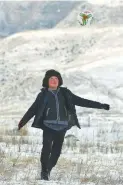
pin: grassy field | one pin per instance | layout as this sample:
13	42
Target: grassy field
83	160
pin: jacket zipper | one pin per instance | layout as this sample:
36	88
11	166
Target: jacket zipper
65	110
57	108
47	111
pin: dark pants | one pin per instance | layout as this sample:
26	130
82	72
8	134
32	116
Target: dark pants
51	150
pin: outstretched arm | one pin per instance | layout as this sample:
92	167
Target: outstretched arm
30	113
88	103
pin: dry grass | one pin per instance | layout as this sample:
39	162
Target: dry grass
7	131
66	164
86	170
15	140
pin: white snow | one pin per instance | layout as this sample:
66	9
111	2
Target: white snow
90	60
106	2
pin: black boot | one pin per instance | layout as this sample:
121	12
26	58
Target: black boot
49	173
49	170
45	175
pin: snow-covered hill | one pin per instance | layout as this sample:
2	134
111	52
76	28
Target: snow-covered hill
82	59
17	16
90	60
105	12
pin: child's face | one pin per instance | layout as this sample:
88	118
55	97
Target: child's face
53	82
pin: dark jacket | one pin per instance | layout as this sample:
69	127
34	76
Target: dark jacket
38	107
55	112
55	106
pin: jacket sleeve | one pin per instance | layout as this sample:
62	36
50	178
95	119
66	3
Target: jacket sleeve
30	112
85	102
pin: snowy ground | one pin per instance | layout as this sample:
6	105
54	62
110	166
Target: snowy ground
90	161
91	63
